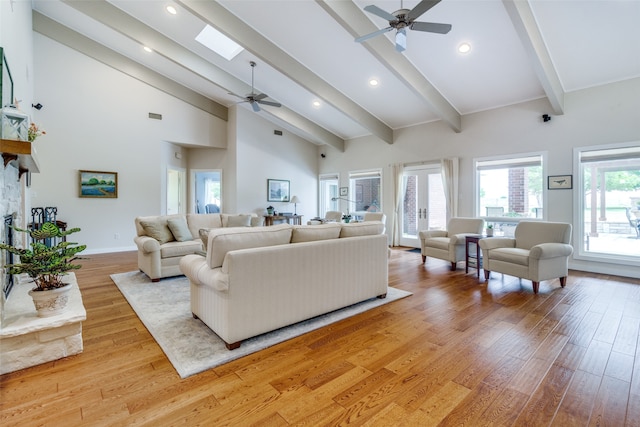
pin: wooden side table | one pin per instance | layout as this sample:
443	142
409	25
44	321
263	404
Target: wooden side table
473	255
291	219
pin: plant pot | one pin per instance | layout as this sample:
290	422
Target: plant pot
52	302
489	232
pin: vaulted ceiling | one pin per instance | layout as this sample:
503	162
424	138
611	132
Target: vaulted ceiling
305	52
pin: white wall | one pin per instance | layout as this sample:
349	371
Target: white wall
96	118
261	155
602	115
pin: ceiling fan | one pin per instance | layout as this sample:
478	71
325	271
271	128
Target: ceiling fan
403	18
256	98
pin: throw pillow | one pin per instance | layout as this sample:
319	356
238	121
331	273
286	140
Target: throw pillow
179	229
158	230
204	236
239	221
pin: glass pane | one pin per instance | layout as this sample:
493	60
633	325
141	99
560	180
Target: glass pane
367	194
409	220
437	212
511	191
611	214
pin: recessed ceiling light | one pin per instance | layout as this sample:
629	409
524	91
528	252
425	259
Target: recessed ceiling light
374	82
464	48
147	49
316	103
219	43
172	10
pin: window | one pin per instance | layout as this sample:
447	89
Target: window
510	187
608	212
365	191
328	192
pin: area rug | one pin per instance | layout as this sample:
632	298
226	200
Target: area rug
164	308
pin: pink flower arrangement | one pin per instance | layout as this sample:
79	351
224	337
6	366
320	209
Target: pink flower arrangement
34	132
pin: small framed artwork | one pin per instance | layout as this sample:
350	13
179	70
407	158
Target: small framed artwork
278	190
344	191
560	182
96	184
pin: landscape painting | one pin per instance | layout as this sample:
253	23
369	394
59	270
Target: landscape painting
98	184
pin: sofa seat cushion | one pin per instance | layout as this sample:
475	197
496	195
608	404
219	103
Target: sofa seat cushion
511	255
178	249
367	228
223	240
438	243
308	233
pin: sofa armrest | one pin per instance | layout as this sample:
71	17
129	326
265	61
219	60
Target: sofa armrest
195	267
147	244
497	242
550	250
426	234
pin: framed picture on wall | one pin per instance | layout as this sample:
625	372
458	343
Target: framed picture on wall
96	184
560	182
344	191
278	190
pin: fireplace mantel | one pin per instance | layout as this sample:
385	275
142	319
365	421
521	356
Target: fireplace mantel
22	152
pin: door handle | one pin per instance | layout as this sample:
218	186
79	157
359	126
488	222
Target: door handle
419	213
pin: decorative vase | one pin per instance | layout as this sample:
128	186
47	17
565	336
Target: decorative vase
270	212
51	302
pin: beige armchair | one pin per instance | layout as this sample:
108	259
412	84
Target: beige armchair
538	251
333	216
449	244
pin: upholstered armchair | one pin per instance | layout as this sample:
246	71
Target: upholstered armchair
449	244
538	251
333	216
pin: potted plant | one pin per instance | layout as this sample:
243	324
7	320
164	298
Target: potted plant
46	266
489	230
270	210
346	218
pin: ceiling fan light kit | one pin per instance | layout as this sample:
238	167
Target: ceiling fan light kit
403	18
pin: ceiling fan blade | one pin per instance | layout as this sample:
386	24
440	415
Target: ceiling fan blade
255	106
273	104
421	8
260	96
431	27
401	40
235	94
371	35
379	12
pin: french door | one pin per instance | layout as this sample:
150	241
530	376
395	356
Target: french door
423	204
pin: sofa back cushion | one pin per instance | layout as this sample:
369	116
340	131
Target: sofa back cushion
198	221
156	226
367	228
223	240
310	233
531	233
238	221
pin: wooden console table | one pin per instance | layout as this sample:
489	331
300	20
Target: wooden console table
291	219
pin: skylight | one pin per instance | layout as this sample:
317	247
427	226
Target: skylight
219	43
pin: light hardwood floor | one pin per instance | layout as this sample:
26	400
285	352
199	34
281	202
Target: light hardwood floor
456	352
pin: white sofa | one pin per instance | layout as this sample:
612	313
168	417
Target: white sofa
163	239
253	281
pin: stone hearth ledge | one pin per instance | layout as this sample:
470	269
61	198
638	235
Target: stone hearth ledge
28	340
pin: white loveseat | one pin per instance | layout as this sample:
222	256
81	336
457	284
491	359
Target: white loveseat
253	281
163	239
